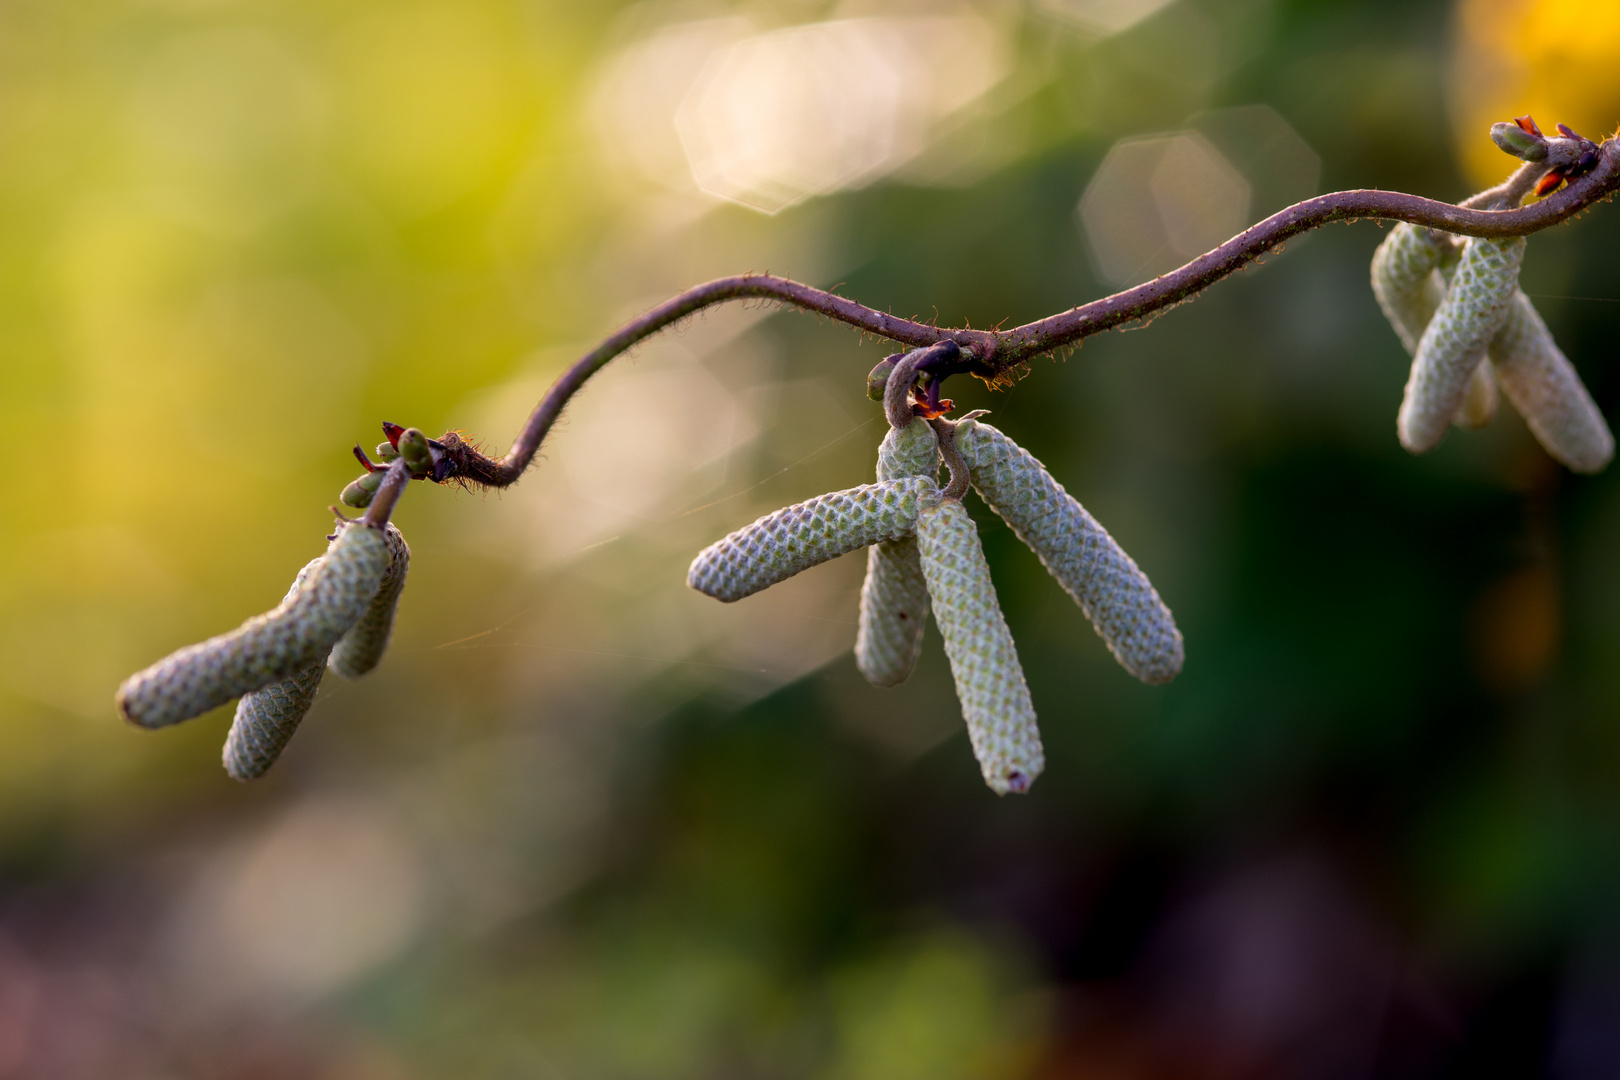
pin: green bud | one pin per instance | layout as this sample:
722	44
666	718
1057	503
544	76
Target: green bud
878	378
386	451
356	495
1514	140
413	447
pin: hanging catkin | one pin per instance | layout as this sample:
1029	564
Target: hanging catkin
362	647
1543	385
1455	341
269	647
984	662
781	544
266	718
1405	281
1116	596
894	596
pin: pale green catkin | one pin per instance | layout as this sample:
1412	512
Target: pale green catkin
779	545
266	718
984	662
1408	280
1543	385
1405	281
361	649
267	648
1455	341
1115	595
894	597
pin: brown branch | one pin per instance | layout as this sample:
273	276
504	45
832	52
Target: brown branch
382	503
992	353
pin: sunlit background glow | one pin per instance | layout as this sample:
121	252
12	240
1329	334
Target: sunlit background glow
584	822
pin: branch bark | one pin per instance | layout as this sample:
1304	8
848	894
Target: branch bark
990	353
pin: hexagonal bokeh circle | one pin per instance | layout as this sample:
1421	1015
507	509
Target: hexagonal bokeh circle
1157	201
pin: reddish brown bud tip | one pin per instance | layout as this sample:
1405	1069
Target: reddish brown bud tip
1527	124
1549	183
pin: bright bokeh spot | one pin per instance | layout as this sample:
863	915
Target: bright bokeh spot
1553	59
1279	165
637	91
325	894
1158	201
1103	17
780	117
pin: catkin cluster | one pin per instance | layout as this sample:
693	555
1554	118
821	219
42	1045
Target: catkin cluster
924	557
339	611
1456	305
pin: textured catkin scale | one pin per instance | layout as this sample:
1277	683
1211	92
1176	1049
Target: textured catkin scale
1409	280
267	648
1542	384
910	451
1115	595
1404	280
266	720
984	662
894	597
1454	343
361	649
779	545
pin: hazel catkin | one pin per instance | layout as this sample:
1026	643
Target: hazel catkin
1405	282
266	720
268	647
361	648
1456	339
894	596
795	538
1543	385
984	662
1110	588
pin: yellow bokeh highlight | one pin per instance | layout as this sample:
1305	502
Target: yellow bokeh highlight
1553	59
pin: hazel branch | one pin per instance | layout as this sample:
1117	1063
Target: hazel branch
382	503
990	354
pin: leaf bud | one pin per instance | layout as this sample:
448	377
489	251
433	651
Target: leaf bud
413	447
878	378
1513	139
356	495
386	451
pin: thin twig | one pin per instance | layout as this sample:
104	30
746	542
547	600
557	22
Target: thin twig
992	353
382	503
960	477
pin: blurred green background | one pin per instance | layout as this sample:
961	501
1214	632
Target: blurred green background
584	822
